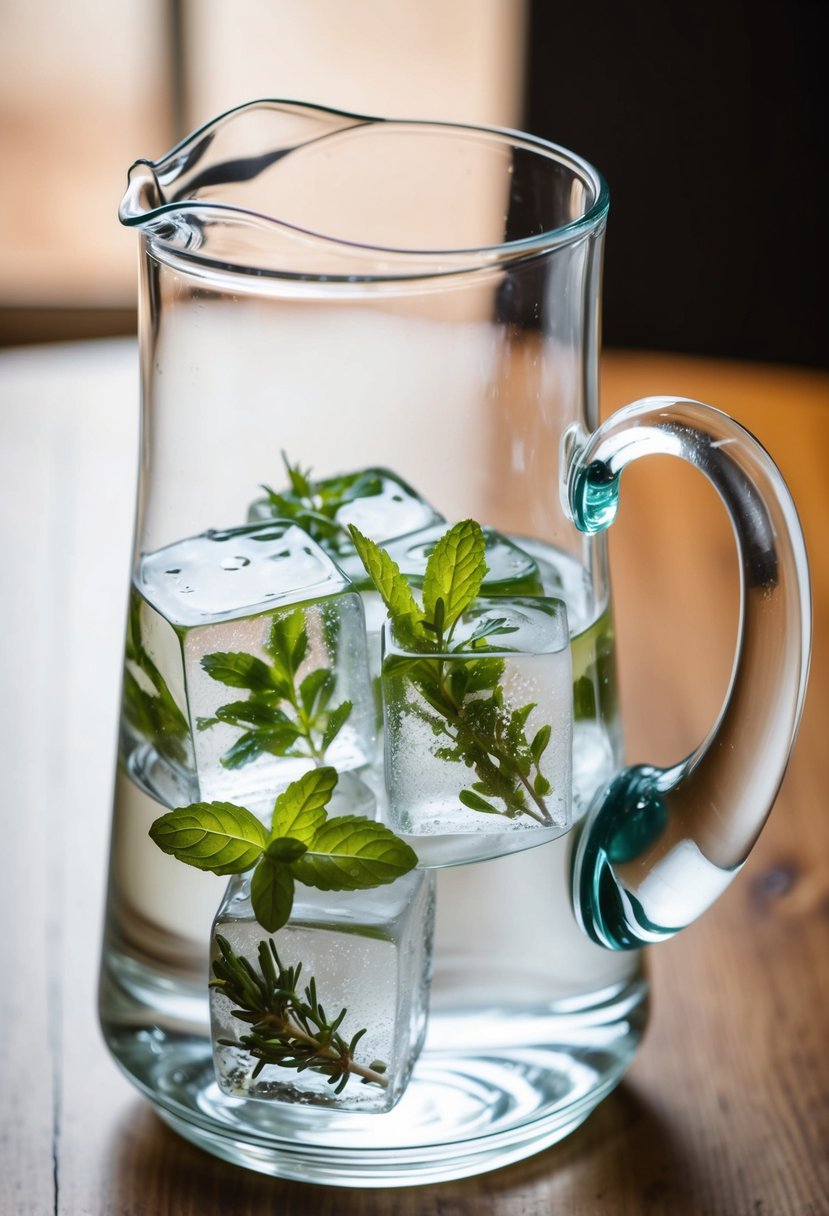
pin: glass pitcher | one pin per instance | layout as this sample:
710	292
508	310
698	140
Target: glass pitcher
395	325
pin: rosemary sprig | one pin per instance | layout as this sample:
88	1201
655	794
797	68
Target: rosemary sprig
283	715
464	697
288	1029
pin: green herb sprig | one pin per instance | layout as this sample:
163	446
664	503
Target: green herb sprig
283	716
314	504
286	1028
464	699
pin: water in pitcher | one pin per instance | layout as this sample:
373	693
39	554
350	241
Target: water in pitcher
513	975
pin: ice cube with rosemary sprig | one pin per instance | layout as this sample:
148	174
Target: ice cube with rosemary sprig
320	953
477	699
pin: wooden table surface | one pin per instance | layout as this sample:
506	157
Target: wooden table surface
724	1111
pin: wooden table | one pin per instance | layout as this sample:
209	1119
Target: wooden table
725	1109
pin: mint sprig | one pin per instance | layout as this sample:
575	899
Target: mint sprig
463	697
346	853
283	715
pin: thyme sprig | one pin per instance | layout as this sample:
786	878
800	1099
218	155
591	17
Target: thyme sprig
464	697
286	1028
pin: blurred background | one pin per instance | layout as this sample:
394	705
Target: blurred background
705	119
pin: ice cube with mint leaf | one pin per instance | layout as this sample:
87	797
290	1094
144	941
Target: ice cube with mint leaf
259	640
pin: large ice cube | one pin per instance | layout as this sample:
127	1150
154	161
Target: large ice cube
369	953
376	501
478	738
244	648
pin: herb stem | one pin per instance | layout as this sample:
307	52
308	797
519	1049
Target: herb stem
304	724
284	1026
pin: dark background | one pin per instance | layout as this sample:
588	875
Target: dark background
709	123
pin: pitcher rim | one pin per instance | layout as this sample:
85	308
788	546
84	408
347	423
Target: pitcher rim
459	258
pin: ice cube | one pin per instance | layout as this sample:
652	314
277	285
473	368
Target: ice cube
376	501
369	953
478	738
510	570
245	648
221	575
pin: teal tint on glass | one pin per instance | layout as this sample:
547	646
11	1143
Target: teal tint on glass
595	498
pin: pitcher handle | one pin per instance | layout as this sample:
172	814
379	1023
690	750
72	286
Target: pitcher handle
660	845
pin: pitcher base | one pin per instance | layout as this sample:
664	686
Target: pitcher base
467	1110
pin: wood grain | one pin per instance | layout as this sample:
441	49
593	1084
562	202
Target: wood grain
724	1112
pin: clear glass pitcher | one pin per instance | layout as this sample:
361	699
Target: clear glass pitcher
395	325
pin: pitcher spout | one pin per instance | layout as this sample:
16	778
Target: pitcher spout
144	197
222	169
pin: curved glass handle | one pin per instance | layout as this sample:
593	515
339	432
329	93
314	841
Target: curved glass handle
660	845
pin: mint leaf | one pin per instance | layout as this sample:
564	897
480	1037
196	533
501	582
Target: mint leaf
299	812
385	574
285	848
288	717
336	720
272	893
247	747
282	739
476	803
539	743
351	853
288	640
238	671
315	690
454	571
215	836
248	713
